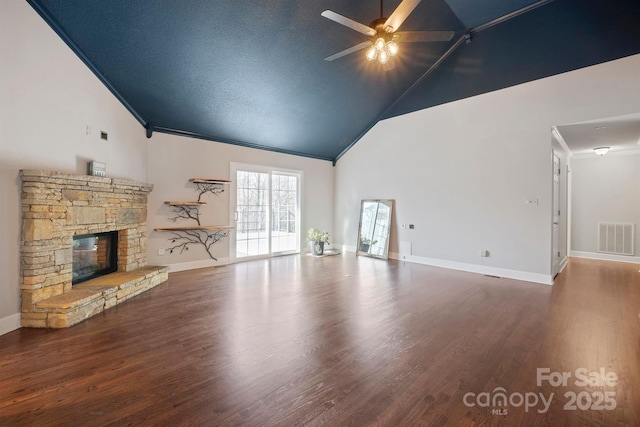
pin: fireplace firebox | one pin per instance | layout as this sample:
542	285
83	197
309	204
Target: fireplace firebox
94	255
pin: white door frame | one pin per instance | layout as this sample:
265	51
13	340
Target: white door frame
234	168
555	216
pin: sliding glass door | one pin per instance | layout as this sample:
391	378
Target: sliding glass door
285	233
252	214
265	205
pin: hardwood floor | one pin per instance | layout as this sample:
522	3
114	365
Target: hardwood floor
334	341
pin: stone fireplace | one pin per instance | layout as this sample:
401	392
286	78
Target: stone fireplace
55	208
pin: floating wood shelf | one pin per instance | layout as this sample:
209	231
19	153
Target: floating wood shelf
196	228
209	181
185	203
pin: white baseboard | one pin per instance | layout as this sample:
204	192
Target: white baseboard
605	257
193	265
9	323
526	276
346	248
544	279
563	264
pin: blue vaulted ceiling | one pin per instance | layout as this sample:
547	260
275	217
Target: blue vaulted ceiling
252	73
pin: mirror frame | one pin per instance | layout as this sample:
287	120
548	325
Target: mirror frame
385	255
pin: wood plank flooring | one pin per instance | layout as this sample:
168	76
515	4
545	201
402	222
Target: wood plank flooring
334	341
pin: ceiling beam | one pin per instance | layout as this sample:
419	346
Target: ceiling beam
178	132
509	16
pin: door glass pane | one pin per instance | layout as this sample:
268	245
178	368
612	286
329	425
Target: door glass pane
284	208
253	207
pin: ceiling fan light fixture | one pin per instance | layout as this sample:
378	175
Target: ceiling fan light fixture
601	151
384	41
393	48
372	53
383	56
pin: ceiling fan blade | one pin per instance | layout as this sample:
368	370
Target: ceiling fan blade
348	51
400	14
347	22
423	36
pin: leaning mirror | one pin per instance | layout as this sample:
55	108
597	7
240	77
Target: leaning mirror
374	228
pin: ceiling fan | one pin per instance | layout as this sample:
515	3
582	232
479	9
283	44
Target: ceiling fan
383	32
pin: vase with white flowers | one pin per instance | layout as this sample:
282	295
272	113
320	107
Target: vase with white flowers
317	239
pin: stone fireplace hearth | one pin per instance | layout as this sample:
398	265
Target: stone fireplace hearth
57	206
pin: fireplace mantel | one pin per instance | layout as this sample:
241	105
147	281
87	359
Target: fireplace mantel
55	207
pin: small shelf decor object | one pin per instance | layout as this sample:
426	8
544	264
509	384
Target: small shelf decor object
317	239
95	168
205	235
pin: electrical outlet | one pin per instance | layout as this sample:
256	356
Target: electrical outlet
485	253
161	252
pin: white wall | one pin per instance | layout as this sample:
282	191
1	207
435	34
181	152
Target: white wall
462	171
47	98
173	160
604	189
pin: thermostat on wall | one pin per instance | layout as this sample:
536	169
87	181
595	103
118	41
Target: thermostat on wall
97	168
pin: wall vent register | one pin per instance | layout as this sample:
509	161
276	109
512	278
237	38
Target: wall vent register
615	238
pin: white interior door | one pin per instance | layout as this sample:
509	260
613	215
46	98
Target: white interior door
556	216
265	208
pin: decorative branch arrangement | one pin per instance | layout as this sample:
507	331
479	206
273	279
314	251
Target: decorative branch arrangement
184	238
208	187
207	236
186	210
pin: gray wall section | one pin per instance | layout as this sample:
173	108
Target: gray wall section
603	189
462	171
